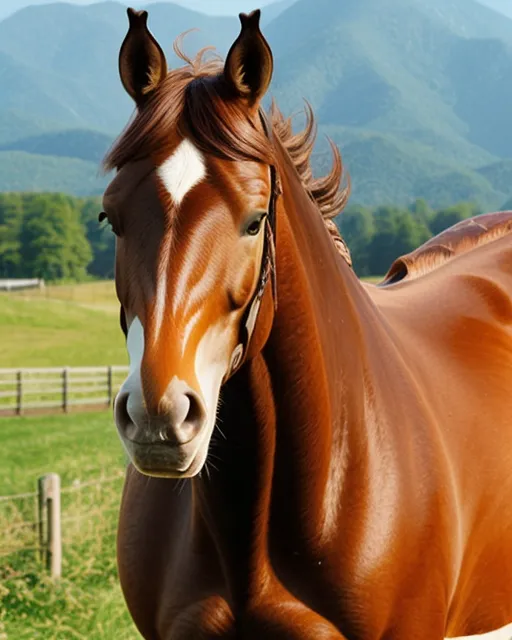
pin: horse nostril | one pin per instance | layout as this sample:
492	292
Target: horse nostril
196	413
184	417
121	415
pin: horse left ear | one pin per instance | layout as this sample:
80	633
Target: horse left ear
249	63
142	63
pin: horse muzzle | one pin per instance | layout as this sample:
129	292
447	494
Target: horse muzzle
171	443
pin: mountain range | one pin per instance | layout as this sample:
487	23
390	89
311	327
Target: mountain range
417	93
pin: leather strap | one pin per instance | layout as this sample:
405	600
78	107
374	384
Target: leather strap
268	271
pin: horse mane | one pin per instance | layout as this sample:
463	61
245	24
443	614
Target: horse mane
196	101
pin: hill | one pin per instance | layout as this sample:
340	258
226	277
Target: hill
413	91
21	171
403	86
76	143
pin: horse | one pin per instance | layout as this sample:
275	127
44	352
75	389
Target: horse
311	456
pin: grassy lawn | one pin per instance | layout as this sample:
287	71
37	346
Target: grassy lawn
87	603
62	326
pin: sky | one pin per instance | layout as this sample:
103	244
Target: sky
217	7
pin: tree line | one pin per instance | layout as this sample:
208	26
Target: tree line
57	237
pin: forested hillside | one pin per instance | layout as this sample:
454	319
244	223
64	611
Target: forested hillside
417	93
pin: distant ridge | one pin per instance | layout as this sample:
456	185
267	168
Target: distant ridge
417	93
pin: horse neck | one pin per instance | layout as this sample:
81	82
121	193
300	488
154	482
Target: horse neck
284	415
318	367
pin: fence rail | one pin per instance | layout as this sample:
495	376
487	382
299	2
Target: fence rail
13	284
63	389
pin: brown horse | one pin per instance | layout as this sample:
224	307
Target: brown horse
347	447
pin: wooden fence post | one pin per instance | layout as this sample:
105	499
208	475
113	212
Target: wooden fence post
19	392
50	515
65	389
41	517
109	386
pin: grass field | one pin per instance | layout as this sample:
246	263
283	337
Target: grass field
87	604
61	326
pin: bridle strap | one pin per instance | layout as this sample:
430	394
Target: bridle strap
268	271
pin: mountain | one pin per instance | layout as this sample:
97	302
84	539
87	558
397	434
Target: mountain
417	93
20	171
83	144
228	7
209	7
417	84
70	53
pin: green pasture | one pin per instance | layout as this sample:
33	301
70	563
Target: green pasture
61	326
87	603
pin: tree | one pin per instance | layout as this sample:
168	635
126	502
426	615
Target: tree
421	211
446	218
100	237
396	233
11	220
53	242
357	228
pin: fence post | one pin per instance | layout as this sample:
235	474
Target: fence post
109	386
65	389
41	517
50	514
19	392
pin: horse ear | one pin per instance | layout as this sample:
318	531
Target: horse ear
249	63
142	64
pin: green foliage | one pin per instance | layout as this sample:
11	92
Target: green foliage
377	236
58	237
100	237
53	242
53	236
11	218
396	232
448	217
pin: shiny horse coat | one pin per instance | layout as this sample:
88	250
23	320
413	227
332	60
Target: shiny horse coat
355	477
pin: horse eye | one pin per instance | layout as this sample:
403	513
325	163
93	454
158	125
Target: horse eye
255	226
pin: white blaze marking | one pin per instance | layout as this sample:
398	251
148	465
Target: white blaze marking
504	633
133	383
182	171
161	287
211	364
135	344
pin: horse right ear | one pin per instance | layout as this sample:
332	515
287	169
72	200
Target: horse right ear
142	63
249	63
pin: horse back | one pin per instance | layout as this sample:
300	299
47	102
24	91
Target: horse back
461	238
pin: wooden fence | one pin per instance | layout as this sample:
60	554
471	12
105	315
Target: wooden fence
18	284
62	389
44	535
